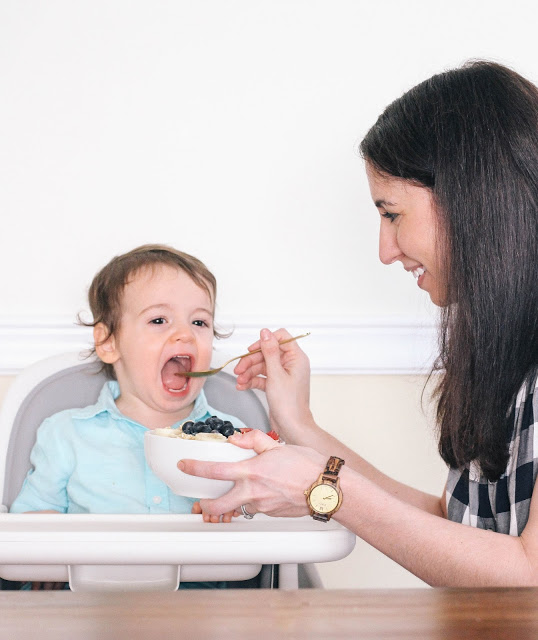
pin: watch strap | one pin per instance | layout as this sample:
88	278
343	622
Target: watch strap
322	517
332	469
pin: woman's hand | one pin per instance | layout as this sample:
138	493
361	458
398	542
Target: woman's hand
283	372
272	482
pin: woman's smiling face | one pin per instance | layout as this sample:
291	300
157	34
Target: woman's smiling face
408	230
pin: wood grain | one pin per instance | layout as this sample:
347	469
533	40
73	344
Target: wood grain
418	614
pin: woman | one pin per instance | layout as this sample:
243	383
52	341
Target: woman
453	171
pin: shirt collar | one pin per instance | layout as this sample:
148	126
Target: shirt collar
111	391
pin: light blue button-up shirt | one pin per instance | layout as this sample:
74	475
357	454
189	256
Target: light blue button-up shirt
92	460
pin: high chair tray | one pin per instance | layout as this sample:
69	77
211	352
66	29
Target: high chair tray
48	546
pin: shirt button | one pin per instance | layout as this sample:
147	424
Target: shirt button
157	499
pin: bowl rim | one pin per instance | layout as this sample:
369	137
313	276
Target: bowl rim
211	443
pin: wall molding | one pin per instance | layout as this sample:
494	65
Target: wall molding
337	346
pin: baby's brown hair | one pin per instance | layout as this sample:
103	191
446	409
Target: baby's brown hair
106	289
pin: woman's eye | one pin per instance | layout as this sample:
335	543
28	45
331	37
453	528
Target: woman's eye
390	216
157	321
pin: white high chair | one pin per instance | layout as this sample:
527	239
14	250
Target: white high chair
142	552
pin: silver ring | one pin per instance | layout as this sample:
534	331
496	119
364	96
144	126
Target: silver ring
245	513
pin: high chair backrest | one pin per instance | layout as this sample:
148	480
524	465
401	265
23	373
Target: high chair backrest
66	382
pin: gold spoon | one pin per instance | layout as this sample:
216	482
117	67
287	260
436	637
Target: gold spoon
211	372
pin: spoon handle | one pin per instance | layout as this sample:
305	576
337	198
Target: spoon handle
303	335
211	372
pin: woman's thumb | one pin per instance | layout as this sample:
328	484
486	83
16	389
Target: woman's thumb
271	352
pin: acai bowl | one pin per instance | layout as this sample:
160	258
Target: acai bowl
202	440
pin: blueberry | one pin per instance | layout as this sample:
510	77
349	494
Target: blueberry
197	426
187	426
227	430
205	429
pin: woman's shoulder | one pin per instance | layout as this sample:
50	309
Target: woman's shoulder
525	407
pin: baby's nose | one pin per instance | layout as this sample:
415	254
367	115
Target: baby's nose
183	333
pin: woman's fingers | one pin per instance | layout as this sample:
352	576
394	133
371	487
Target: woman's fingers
226	517
255	439
271	352
252	370
255	383
252	379
279	366
230	501
255	369
235	471
272	482
214	470
248	362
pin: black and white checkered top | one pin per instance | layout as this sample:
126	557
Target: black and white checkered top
501	506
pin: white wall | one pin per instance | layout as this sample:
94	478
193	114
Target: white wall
227	128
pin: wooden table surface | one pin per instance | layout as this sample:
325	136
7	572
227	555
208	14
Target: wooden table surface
417	614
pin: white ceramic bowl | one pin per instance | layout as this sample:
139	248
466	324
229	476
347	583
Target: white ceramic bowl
163	454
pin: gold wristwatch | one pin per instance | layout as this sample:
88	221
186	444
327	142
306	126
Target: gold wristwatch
324	497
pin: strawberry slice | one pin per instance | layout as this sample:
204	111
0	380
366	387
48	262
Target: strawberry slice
272	434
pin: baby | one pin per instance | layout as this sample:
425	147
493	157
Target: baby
153	319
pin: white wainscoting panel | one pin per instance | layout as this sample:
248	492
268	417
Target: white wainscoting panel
356	345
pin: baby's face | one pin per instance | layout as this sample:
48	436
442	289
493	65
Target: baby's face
166	327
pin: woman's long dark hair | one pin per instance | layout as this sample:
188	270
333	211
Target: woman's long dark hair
471	136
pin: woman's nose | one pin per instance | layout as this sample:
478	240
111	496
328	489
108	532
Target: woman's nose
389	250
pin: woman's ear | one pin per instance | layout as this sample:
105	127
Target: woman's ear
105	344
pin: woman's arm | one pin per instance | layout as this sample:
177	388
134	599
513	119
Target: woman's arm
407	525
318	439
283	372
440	552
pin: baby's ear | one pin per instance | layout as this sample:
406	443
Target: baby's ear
105	344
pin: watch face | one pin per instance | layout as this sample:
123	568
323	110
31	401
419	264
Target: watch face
324	498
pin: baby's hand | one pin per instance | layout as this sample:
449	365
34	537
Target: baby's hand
226	517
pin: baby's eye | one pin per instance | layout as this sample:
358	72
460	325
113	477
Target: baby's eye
157	321
390	216
200	323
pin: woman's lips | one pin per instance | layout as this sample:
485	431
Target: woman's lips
419	272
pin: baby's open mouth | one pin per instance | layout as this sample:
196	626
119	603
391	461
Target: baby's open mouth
171	373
